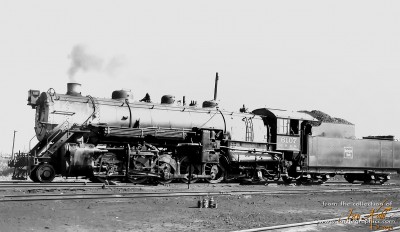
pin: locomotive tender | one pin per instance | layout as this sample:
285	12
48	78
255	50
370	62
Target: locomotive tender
138	141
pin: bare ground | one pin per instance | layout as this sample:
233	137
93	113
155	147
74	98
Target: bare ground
234	212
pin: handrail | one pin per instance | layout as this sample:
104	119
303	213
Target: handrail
30	142
94	109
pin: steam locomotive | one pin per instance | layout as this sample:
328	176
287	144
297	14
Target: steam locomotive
141	141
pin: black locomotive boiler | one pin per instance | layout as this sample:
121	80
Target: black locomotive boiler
138	141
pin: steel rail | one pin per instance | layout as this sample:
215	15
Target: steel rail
68	184
49	185
45	197
272	184
52	183
110	196
55	186
220	184
124	194
100	185
68	187
231	192
324	222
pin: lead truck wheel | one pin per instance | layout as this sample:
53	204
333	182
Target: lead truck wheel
32	175
45	173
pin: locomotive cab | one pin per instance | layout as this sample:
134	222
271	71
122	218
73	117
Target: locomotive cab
287	130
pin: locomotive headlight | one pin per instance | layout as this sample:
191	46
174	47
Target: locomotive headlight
33	96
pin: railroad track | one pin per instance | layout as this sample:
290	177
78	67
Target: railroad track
58	185
129	195
304	226
27	183
23	184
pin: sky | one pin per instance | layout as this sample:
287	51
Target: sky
339	57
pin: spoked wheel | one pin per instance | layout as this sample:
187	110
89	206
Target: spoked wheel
215	171
186	167
139	167
45	173
166	172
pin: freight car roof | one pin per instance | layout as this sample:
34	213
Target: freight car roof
277	113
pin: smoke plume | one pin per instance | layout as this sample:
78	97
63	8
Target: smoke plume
84	60
81	60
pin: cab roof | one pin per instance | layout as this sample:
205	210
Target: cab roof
277	113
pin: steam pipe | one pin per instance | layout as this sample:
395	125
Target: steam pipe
130	112
216	87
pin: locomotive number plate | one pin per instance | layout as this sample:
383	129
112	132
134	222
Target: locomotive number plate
291	143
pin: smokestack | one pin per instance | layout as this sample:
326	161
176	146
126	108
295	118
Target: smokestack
216	87
74	89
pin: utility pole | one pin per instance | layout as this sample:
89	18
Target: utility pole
12	152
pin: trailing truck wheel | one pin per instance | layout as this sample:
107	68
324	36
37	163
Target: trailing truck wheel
45	173
216	171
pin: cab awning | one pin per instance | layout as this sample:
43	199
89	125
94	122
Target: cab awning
277	113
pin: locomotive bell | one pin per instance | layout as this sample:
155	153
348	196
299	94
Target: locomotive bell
122	94
74	89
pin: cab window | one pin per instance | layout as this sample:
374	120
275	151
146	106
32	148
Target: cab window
283	126
294	127
287	126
